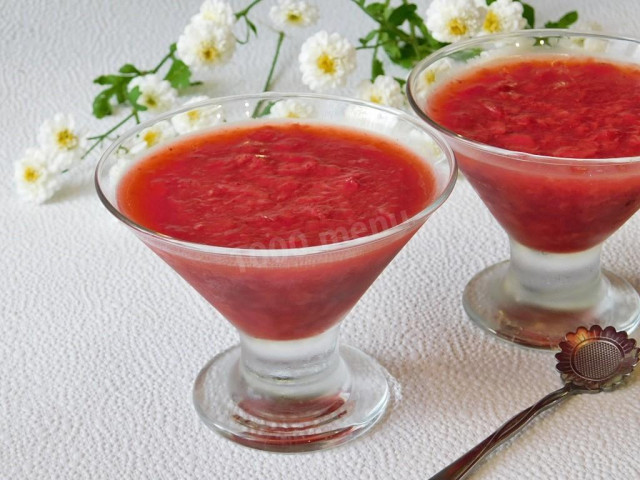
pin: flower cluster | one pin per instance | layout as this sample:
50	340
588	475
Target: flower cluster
291	109
326	60
291	13
453	20
208	40
384	90
155	95
60	147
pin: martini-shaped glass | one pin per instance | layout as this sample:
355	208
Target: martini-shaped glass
556	210
288	386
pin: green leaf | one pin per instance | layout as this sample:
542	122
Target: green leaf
466	54
529	14
387	12
368	37
129	68
179	75
172	48
101	105
377	68
401	81
427	40
121	92
416	20
133	97
393	51
108	79
489	2
567	20
408	56
251	26
402	13
376	10
384	36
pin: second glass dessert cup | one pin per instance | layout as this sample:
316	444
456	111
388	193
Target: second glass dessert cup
289	386
556	211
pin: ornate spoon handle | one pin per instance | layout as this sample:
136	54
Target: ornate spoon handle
460	467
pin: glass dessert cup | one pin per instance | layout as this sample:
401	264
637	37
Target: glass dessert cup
288	386
557	212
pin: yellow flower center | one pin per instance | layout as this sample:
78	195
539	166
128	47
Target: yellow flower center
209	53
492	23
292	115
326	64
66	139
429	77
457	27
151	138
375	99
193	115
294	17
209	15
31	175
150	101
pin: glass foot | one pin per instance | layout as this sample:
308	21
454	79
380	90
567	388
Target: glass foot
493	304
291	423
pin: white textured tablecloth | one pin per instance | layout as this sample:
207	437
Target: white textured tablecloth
100	341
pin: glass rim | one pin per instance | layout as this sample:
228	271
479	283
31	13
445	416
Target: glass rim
281	252
504	152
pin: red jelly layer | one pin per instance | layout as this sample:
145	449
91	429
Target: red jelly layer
276	186
281	185
562	106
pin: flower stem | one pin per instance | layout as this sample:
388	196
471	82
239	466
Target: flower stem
368	47
246	10
162	62
374	58
100	138
386	26
267	83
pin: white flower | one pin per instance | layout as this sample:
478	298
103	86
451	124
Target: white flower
503	16
197	118
34	180
156	94
205	44
326	61
595	45
63	142
292	13
150	137
291	109
143	140
368	118
424	144
383	91
586	26
453	20
217	12
430	76
124	160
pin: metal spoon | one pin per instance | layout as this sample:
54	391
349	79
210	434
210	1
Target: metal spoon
591	361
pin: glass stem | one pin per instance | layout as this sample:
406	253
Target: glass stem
308	367
558	281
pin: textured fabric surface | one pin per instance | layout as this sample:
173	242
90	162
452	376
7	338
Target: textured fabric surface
100	342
